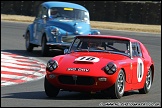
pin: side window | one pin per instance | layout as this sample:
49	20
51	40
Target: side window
136	50
139	50
44	11
39	12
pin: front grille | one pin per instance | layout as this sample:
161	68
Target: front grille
79	80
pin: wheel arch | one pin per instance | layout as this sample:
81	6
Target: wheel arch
124	72
30	30
27	31
152	69
46	34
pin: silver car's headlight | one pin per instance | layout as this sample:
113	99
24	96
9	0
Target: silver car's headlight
110	68
51	65
96	33
55	31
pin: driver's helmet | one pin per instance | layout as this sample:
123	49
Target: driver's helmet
54	11
93	44
134	47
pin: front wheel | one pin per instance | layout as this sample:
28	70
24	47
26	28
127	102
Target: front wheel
29	46
45	48
50	90
117	90
148	83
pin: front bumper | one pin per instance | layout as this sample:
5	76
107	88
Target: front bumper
60	41
80	83
58	44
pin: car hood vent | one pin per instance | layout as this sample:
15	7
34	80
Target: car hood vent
83	62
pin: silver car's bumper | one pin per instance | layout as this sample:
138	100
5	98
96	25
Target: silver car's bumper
58	44
65	41
68	39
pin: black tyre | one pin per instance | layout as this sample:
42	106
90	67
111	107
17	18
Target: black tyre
45	48
29	46
50	90
148	83
117	90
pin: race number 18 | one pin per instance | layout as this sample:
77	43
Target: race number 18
87	58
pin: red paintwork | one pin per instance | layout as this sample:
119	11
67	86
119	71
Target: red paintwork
122	62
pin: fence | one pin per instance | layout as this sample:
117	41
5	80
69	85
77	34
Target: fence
110	11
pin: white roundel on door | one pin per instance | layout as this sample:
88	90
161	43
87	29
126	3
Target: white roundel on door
140	69
87	59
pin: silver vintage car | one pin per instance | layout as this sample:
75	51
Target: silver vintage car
55	26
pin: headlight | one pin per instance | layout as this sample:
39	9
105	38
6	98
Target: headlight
110	68
96	33
51	65
55	31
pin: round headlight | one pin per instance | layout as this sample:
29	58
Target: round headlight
51	65
110	68
55	31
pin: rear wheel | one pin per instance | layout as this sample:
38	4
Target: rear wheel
50	90
45	48
29	46
148	83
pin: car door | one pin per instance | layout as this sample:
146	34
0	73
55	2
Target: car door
35	26
39	24
137	63
38	15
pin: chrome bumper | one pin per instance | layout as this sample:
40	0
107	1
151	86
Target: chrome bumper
58	44
64	41
68	39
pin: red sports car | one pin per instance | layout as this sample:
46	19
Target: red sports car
101	63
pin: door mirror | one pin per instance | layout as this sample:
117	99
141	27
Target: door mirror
44	16
66	51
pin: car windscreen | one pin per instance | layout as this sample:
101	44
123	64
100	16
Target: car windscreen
68	13
101	45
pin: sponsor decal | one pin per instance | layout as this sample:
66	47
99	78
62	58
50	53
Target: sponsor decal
68	9
122	62
78	69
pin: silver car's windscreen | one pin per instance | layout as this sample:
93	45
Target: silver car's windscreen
69	14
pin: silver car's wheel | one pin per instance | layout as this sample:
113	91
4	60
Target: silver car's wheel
29	46
148	83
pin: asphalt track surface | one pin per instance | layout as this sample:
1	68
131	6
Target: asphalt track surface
31	93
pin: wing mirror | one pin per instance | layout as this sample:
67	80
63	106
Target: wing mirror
66	51
44	16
